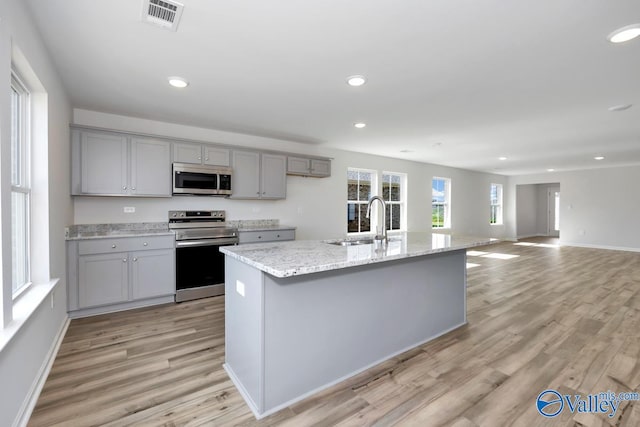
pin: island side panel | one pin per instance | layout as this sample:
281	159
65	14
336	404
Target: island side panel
322	328
244	330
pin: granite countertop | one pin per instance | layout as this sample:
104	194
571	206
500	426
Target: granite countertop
105	231
293	258
264	228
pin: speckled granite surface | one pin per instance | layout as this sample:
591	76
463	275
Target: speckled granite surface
102	231
285	259
258	225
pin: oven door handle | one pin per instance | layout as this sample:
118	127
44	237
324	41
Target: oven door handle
206	242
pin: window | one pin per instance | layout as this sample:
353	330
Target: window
393	194
440	202
20	185
360	187
496	204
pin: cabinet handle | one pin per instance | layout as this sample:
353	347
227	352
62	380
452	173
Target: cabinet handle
206	159
133	188
113	246
124	260
264	192
259	237
135	259
124	187
145	244
199	158
258	193
277	235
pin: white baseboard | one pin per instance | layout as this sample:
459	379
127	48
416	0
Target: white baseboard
608	248
34	392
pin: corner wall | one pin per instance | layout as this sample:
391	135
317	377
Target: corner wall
598	207
25	357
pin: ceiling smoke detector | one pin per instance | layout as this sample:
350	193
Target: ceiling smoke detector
163	13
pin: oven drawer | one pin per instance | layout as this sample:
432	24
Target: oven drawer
266	236
125	244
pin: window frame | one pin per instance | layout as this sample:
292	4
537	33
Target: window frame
373	219
21	179
402	202
446	204
496	218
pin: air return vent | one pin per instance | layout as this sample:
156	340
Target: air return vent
163	13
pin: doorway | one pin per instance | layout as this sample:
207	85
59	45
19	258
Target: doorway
538	210
553	211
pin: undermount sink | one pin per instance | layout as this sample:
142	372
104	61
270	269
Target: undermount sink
352	242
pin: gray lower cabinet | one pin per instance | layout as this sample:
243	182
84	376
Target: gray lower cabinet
120	273
258	175
308	167
114	164
258	236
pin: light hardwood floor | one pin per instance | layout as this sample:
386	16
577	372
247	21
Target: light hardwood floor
539	317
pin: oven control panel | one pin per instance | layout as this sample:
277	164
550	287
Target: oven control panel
197	215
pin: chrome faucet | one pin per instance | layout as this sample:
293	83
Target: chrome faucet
382	237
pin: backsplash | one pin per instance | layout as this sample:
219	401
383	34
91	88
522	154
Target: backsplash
247	223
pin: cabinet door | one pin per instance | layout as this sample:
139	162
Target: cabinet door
150	167
102	279
187	153
152	273
245	182
103	163
297	165
320	167
274	176
216	156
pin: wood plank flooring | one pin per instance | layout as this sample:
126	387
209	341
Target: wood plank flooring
539	317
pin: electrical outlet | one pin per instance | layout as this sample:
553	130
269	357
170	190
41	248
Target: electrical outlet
129	209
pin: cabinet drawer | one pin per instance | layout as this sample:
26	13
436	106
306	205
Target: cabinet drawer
124	244
266	236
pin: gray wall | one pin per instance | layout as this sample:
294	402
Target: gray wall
317	206
23	358
598	207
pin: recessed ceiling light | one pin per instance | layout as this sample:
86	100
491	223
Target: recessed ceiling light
360	125
356	80
502	158
598	158
550	170
620	107
624	34
406	151
178	82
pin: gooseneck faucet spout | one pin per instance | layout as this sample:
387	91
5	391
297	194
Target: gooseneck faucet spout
382	236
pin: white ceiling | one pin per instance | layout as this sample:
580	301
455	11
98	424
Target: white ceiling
457	82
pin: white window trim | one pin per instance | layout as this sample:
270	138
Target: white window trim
446	204
373	219
403	199
500	205
25	171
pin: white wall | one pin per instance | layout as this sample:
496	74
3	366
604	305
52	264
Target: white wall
23	357
526	211
598	207
317	206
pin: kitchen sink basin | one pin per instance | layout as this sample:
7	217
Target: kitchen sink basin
352	242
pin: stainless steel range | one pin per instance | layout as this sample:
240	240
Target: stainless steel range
199	263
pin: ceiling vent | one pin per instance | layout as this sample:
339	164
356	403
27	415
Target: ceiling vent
163	13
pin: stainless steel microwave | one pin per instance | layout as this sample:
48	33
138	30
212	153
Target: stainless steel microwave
201	179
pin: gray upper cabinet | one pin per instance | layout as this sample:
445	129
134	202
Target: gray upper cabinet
150	167
113	164
308	166
103	163
258	175
200	154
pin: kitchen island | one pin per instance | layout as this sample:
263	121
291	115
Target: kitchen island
301	316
